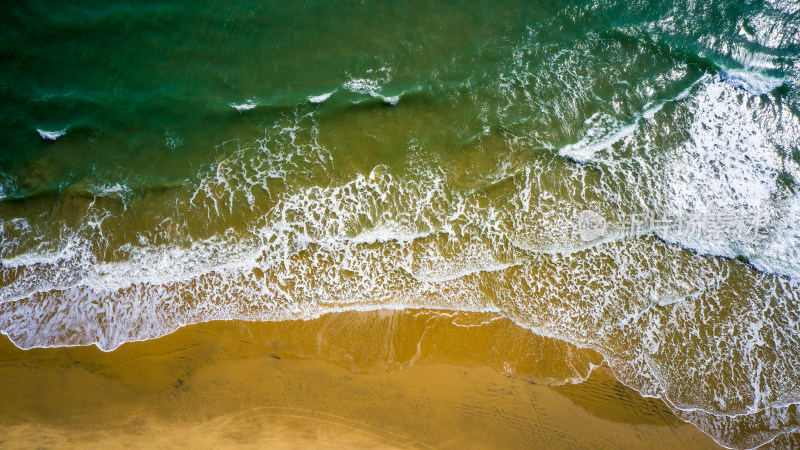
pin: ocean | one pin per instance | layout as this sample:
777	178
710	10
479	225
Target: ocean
618	175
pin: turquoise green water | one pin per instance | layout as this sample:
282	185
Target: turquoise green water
144	90
172	163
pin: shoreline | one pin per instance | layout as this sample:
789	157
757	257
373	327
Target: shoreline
389	379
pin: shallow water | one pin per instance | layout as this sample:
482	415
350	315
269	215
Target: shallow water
168	164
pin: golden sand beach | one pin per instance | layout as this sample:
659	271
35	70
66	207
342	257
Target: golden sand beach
391	379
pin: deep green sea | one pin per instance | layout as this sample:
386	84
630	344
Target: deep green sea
621	175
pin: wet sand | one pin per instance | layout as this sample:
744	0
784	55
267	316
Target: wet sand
384	379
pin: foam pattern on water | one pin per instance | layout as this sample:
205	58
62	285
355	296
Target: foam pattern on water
277	229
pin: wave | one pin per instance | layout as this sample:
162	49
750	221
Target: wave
275	231
246	106
391	100
51	135
730	166
526	293
320	98
604	131
754	82
367	85
725	172
372	84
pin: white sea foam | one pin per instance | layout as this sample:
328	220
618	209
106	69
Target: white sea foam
320	98
51	135
246	106
752	81
729	165
387	233
603	131
110	189
391	100
432	275
389	240
727	172
363	85
372	84
38	258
